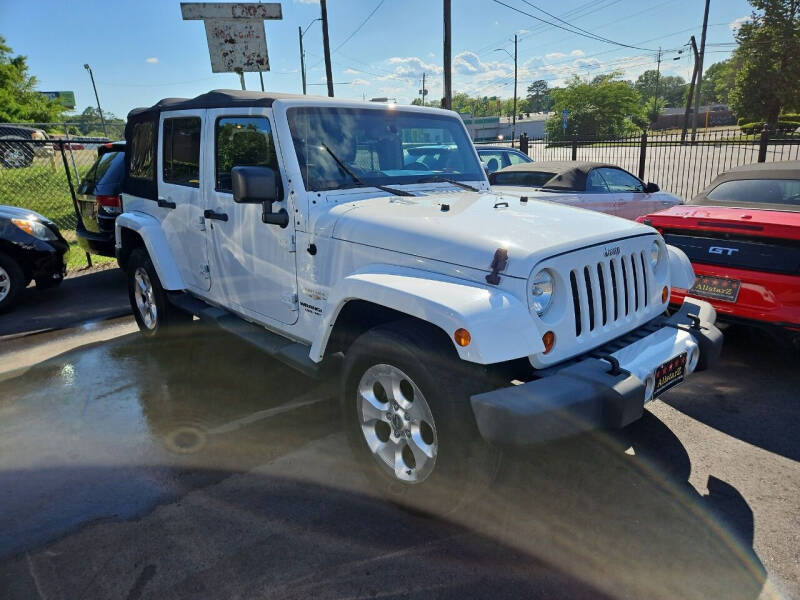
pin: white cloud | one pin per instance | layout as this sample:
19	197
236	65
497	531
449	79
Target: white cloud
410	69
577	53
152	60
555	55
360	82
350	71
736	23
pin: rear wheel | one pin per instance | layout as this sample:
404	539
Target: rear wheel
15	155
406	410
151	309
12	282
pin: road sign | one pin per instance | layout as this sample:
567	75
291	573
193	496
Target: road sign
564	119
235	33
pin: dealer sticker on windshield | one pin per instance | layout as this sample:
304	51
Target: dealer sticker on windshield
670	374
718	288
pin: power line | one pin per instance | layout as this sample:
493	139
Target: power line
573	31
357	29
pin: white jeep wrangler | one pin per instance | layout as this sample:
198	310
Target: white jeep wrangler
318	229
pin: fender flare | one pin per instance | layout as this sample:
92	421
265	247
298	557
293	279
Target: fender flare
499	324
681	272
149	229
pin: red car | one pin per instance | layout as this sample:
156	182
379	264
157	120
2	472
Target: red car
742	234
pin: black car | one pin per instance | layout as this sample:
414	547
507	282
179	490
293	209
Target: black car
31	249
99	200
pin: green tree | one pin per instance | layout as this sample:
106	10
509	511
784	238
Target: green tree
671	89
538	98
767	78
718	79
605	107
19	102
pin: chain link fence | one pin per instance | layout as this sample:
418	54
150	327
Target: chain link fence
39	162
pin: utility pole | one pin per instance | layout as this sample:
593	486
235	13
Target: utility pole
261	78
422	91
302	59
327	46
655	92
96	97
447	101
699	87
690	97
514	121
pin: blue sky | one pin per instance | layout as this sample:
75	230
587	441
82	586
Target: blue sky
142	50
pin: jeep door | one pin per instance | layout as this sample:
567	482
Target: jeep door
181	198
252	262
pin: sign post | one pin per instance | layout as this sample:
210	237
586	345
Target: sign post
564	120
235	33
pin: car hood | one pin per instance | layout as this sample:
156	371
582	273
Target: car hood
467	228
15	212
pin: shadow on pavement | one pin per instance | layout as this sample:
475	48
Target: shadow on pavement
721	398
196	467
91	297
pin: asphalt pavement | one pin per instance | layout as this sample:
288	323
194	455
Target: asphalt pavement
192	466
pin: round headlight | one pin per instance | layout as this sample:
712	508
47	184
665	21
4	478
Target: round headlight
541	291
655	252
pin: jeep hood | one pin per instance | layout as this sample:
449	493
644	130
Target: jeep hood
467	228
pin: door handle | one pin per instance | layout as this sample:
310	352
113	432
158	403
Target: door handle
164	203
210	214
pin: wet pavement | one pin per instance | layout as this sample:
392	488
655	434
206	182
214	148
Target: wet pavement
193	466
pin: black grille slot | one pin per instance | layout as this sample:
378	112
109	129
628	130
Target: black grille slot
625	283
635	283
576	303
589	296
644	279
613	268
602	281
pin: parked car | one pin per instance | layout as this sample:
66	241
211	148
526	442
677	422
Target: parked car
742	234
500	157
593	185
294	223
31	249
14	154
99	200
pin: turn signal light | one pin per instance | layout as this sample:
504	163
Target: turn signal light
462	337
548	339
664	294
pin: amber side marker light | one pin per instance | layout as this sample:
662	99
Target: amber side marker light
462	337
664	294
548	339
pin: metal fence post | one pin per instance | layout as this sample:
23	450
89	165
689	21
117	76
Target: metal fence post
574	147
642	154
72	193
762	146
523	143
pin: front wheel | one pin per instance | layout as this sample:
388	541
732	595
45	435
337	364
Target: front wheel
151	309
12	282
406	410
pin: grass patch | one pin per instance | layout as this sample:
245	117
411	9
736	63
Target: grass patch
76	259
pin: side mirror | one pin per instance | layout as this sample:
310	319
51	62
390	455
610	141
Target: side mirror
259	185
651	188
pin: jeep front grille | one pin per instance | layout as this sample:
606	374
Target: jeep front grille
610	291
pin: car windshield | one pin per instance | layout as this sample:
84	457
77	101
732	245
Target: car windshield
380	146
524	178
784	192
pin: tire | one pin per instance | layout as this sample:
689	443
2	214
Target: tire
15	155
12	282
439	465
151	309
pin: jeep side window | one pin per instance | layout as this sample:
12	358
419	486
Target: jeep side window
181	151
242	141
141	154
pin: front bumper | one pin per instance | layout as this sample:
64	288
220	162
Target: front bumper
593	392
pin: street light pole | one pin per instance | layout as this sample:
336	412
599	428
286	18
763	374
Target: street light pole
514	116
302	52
96	97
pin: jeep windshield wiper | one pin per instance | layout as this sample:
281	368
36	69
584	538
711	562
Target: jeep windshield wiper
358	180
440	179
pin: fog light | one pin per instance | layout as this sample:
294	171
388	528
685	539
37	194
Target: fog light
462	337
664	295
548	339
649	387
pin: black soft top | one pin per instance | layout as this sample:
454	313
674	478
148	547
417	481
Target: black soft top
569	175
786	169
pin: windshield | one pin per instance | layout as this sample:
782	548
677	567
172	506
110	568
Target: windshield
380	146
758	191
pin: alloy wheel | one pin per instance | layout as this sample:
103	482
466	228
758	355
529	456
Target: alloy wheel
5	284
145	298
397	423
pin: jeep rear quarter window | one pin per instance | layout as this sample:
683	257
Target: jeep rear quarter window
242	141
141	153
182	151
